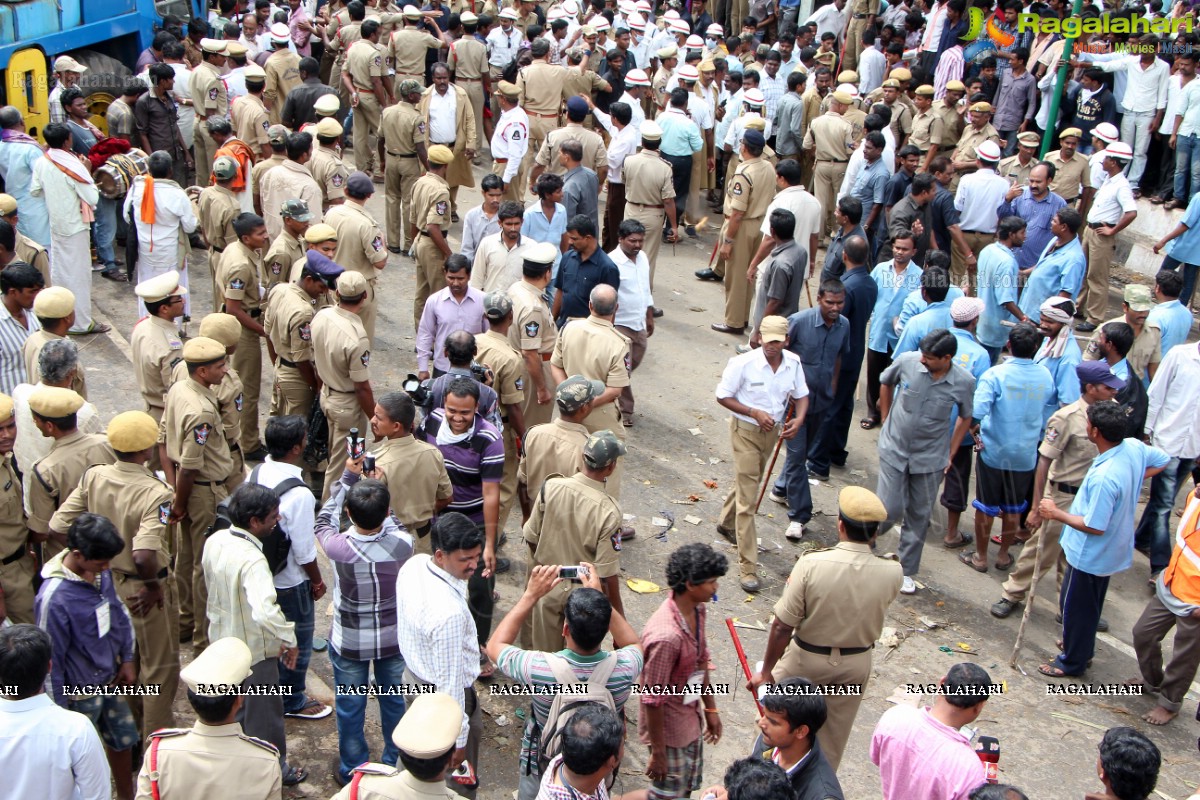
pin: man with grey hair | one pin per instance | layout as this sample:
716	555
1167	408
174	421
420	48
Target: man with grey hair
18	153
581	186
162	242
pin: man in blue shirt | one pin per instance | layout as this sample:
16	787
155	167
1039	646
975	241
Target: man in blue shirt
1037	205
583	266
1171	317
546	220
935	288
1008	416
1060	353
974	359
848	214
1059	269
1182	243
821	337
870	187
894	280
1097	535
915	303
998	286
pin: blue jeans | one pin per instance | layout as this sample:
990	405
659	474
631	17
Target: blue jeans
1187	167
106	231
352	707
793	481
1189	274
297	606
1154	529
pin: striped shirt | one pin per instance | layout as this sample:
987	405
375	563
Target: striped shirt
12	349
476	460
530	668
364	579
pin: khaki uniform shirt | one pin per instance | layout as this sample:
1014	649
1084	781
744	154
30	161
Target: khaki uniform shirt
13	531
230	398
262	168
496	351
812	101
237	277
360	241
1014	171
416	477
752	190
218	208
288	321
595	154
137	502
402	128
208	93
574	519
541	88
592	347
33	254
250	121
212	760
32	349
585	82
338	21
468	59
1069	176
330	172
347	35
832	136
1067	446
192	428
283	75
952	123
285	251
157	348
928	130
647	177
340	349
431	202
550	449
971	138
364	63
288	181
902	120
406	50
1146	350
533	327
56	474
857	119
381	782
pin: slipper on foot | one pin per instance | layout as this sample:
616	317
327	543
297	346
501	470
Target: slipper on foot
968	558
963	541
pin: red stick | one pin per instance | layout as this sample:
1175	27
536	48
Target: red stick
741	654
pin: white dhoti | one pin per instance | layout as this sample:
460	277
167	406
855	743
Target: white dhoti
71	266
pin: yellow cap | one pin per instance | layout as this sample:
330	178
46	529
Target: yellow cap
321	232
327	104
861	505
756	124
53	402
236	49
847	76
214	46
891	83
430	726
901	74
1029	139
773	328
6	408
707	65
223	327
203	350
8	204
351	284
132	432
509	90
329	128
54	302
982	106
440	154
843	98
1066	132
255	74
956	86
224	663
924	90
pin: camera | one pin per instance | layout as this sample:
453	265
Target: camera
575	574
481	373
417	389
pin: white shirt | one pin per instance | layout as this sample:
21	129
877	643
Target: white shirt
828	19
633	296
183	91
979	195
1173	416
871	65
63	195
241	595
496	268
1176	94
158	244
1146	89
442	110
51	753
1096	169
1113	199
806	209
502	46
235	83
733	137
510	140
623	144
297	516
934	21
438	638
748	378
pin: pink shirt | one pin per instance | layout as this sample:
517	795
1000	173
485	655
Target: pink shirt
919	757
300	37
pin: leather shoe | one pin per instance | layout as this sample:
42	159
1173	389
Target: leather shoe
658	312
750	584
707	274
721	327
628	532
727	533
1085	327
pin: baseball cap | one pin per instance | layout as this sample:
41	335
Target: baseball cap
1098	372
297	210
68	64
575	391
277	134
773	328
225	168
602	448
496	305
1138	297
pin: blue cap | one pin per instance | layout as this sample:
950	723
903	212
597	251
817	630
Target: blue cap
359	184
577	105
754	138
320	265
1098	372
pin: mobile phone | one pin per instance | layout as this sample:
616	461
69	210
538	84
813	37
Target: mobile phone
569	573
368	463
355	445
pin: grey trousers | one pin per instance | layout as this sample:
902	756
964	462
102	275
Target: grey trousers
1151	628
261	716
908	496
474	732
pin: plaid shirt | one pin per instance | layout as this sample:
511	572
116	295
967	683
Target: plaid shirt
674	652
364	580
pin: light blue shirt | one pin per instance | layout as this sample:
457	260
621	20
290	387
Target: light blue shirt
936	315
974	359
870	187
997	286
914	304
1057	271
1174	321
680	136
1009	400
1107	501
16	167
538	228
1184	248
893	289
1066	380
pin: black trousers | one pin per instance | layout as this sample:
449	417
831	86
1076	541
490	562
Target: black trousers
1081	601
876	364
681	179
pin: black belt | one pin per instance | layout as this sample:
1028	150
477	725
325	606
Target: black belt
255	313
284	362
982	233
218	249
824	651
1095	225
445	144
17	556
860	16
161	576
832	161
1066	488
202	483
234	447
424	233
402	155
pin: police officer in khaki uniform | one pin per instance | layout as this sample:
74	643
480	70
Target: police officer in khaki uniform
217	208
541	96
650	192
533	331
556	448
408	46
595	349
323	238
402	130
342	353
573	520
431	218
928	128
139	504
214	757
862	16
427	731
283	71
241	265
413	471
360	245
1072	178
902	115
831	612
287	248
155	341
209	98
1016	168
469	65
363	79
287	319
595	155
952	121
248	113
225	329
830	138
54	307
326	164
749	194
964	159
197	462
17	564
277	139
495	350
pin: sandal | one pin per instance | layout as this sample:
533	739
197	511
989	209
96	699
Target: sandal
486	668
1052	671
97	327
963	541
114	275
969	559
1005	566
868	423
295	775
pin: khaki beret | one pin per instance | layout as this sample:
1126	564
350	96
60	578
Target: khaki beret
430	726
6	408
327	104
329	127
901	74
843	98
321	232
236	49
160	287
509	90
956	86
756	123
51	401
1066	133
351	284
255	74
132	432
861	505
54	302
8	204
982	107
847	76
1029	139
440	154
651	131
891	83
223	327
925	91
203	350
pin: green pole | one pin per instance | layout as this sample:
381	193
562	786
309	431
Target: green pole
1060	82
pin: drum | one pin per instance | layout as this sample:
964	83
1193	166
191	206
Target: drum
115	176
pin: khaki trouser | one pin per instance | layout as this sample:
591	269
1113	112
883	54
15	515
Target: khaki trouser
366	130
247	362
508	482
751	446
854	34
474	90
806	170
1023	575
976	240
343	413
1148	632
833	669
738	11
367	310
204	149
155	463
291	394
608	418
737	288
535	412
214	262
653	219
399	177
546	620
16	579
514	189
237	476
157	655
430	277
1098	252
189	567
539	129
827	179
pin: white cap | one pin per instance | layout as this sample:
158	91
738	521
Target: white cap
509	13
280	32
679	26
715	30
1106	132
636	20
671	14
988	151
688	73
637	77
225	662
848	88
1119	150
694	42
601	24
643	6
754	97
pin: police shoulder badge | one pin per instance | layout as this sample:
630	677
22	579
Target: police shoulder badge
276	268
164	513
213	92
266	125
237	283
516	134
441	208
366	357
337	180
532	329
520	383
737	188
201	432
1052	434
377	243
420	127
305	332
616	540
238	401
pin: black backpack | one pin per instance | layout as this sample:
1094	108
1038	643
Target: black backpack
276	545
1136	403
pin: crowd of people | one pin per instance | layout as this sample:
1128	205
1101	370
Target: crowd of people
601	131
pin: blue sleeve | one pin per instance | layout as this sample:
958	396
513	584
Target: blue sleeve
1005	210
985	395
907	342
612	276
1066	383
880	190
1006	280
1156	457
1072	276
1099	512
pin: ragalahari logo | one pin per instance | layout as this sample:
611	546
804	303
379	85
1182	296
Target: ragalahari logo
977	26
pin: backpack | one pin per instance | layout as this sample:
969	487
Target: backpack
1135	402
565	704
276	545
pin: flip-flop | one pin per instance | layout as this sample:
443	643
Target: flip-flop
868	423
963	541
1052	671
295	775
969	559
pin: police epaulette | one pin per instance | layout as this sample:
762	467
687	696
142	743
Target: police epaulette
263	743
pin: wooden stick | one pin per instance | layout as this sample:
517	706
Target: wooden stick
1037	563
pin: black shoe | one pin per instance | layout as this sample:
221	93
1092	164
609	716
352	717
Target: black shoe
727	533
690	230
257	454
454	216
707	274
396	250
658	312
1085	327
750	584
721	327
503	565
1003	607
